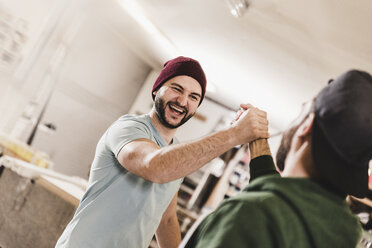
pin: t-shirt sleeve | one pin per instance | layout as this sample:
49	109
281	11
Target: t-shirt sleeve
234	224
123	132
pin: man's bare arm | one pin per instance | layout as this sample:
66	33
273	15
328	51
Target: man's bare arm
168	234
147	160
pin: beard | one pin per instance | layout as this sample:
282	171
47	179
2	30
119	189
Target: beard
160	106
285	146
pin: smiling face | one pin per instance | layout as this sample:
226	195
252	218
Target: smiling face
177	100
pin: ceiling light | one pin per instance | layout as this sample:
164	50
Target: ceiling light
238	7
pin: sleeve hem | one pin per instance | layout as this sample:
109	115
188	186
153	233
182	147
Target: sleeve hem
261	166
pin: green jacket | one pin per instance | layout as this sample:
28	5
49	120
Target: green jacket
279	212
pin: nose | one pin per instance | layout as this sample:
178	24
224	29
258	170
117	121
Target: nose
182	100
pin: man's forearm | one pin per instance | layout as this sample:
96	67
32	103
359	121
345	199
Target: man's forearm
177	161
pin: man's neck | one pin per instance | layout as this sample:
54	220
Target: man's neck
295	171
299	163
165	132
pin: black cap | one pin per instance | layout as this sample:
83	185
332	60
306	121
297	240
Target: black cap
342	132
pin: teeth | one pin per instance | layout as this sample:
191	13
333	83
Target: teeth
177	109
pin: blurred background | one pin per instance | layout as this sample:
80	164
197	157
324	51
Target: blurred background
69	68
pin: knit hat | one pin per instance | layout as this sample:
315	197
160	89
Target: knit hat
342	132
181	66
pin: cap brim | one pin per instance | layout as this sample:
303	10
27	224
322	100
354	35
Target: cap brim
347	178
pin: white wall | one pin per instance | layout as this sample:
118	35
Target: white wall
36	17
99	81
94	73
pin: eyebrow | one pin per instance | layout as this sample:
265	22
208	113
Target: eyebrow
193	93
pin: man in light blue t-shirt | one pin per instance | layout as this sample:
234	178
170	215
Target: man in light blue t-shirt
139	165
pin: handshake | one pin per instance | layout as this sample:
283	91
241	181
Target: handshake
253	125
250	124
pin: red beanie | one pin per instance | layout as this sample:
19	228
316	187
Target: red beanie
181	66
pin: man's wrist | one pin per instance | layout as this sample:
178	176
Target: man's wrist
259	148
232	137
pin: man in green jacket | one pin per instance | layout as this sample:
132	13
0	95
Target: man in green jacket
322	158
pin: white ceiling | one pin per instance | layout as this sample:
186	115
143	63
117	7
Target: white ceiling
278	55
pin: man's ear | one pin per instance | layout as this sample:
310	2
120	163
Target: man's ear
154	92
306	126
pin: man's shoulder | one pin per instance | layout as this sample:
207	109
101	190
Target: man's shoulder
256	202
128	128
253	198
242	213
129	120
247	204
132	117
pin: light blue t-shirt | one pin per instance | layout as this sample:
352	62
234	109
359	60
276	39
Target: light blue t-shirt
119	208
